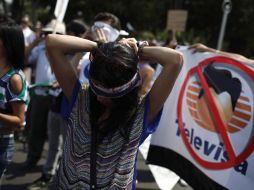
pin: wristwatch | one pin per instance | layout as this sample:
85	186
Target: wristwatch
141	45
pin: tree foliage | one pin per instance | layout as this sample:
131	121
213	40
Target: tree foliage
148	17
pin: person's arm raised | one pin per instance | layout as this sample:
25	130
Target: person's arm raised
171	61
202	48
58	46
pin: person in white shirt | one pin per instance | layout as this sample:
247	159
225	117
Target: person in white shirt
106	28
57	128
41	99
29	35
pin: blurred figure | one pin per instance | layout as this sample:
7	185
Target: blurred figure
42	98
29	35
76	28
56	131
79	29
106	28
146	73
57	128
13	90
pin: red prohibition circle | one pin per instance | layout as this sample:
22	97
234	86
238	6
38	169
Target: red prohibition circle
234	160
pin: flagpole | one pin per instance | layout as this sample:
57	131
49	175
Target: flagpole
60	10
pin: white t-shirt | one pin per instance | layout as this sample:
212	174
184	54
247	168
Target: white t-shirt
29	36
43	73
84	64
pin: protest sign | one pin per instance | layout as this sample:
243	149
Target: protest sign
206	129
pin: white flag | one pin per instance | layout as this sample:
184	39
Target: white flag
60	9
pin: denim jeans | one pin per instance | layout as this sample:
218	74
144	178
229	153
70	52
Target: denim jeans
7	149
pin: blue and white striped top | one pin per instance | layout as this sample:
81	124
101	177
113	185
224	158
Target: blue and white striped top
6	94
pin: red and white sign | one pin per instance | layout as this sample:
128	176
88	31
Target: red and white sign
208	118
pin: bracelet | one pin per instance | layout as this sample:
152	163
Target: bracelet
99	43
217	51
141	45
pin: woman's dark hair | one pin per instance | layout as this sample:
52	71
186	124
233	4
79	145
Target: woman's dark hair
113	65
221	80
13	41
105	16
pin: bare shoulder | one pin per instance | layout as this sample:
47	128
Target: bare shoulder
16	83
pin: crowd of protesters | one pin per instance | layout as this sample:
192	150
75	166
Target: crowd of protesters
35	107
91	95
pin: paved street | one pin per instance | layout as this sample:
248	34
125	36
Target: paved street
18	179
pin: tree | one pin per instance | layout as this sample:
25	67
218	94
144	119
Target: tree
203	25
17	9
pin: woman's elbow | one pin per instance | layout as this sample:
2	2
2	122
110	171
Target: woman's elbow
179	61
21	126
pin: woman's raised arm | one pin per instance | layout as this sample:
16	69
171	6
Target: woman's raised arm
171	61
58	46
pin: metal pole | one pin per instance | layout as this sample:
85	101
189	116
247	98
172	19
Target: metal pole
227	6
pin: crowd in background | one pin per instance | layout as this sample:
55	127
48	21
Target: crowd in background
32	102
44	109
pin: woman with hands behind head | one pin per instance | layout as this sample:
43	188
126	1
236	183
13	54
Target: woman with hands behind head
107	119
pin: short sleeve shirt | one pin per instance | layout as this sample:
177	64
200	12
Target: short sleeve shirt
6	94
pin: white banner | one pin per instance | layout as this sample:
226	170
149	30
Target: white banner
61	6
208	118
164	178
